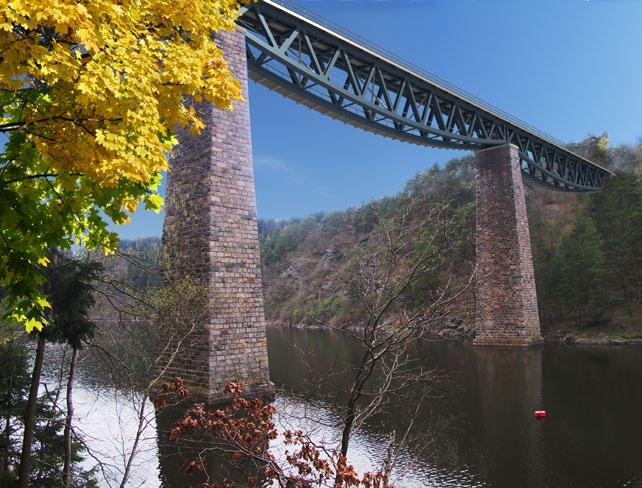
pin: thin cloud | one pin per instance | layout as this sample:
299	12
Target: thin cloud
274	165
278	166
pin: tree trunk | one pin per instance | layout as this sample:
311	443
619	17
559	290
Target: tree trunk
351	409
364	372
7	427
66	470
347	427
30	416
7	440
139	432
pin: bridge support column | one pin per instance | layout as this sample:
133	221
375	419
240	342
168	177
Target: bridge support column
506	300
210	235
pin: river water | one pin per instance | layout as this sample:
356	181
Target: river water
477	427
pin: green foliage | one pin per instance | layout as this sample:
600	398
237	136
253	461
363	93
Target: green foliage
618	213
276	246
90	96
585	273
14	389
47	451
40	210
586	248
624	159
326	308
143	265
70	287
577	283
308	264
595	148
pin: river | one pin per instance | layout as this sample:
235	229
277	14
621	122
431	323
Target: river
479	421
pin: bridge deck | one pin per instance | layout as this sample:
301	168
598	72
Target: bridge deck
316	63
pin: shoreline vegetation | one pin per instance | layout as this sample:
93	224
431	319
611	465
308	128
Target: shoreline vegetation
569	338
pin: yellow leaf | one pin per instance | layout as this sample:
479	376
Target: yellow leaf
154	202
33	324
43	302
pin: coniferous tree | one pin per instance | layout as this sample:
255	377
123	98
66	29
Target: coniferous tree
70	284
578	274
14	386
69	287
618	215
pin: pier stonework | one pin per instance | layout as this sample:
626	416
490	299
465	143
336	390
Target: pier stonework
506	299
210	236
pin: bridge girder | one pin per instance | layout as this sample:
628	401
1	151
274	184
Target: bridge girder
332	71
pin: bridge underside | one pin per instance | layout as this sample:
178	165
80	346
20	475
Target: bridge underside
318	64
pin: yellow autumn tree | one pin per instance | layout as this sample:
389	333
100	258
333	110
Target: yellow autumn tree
90	92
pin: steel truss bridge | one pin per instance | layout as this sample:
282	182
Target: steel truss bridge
306	58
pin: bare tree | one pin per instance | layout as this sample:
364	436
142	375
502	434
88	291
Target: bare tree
142	333
402	251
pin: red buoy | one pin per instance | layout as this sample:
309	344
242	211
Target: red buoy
540	414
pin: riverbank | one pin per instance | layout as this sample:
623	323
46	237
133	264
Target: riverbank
453	330
459	332
624	328
600	339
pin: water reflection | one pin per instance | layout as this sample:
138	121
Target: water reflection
481	419
509	387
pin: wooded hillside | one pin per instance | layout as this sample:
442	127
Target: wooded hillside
587	247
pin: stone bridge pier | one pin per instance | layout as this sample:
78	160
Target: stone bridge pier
506	312
210	236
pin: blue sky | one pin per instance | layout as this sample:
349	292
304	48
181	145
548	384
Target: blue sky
569	67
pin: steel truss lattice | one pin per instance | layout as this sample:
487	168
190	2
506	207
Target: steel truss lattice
329	70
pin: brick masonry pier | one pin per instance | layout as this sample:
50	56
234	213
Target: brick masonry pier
210	236
506	300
